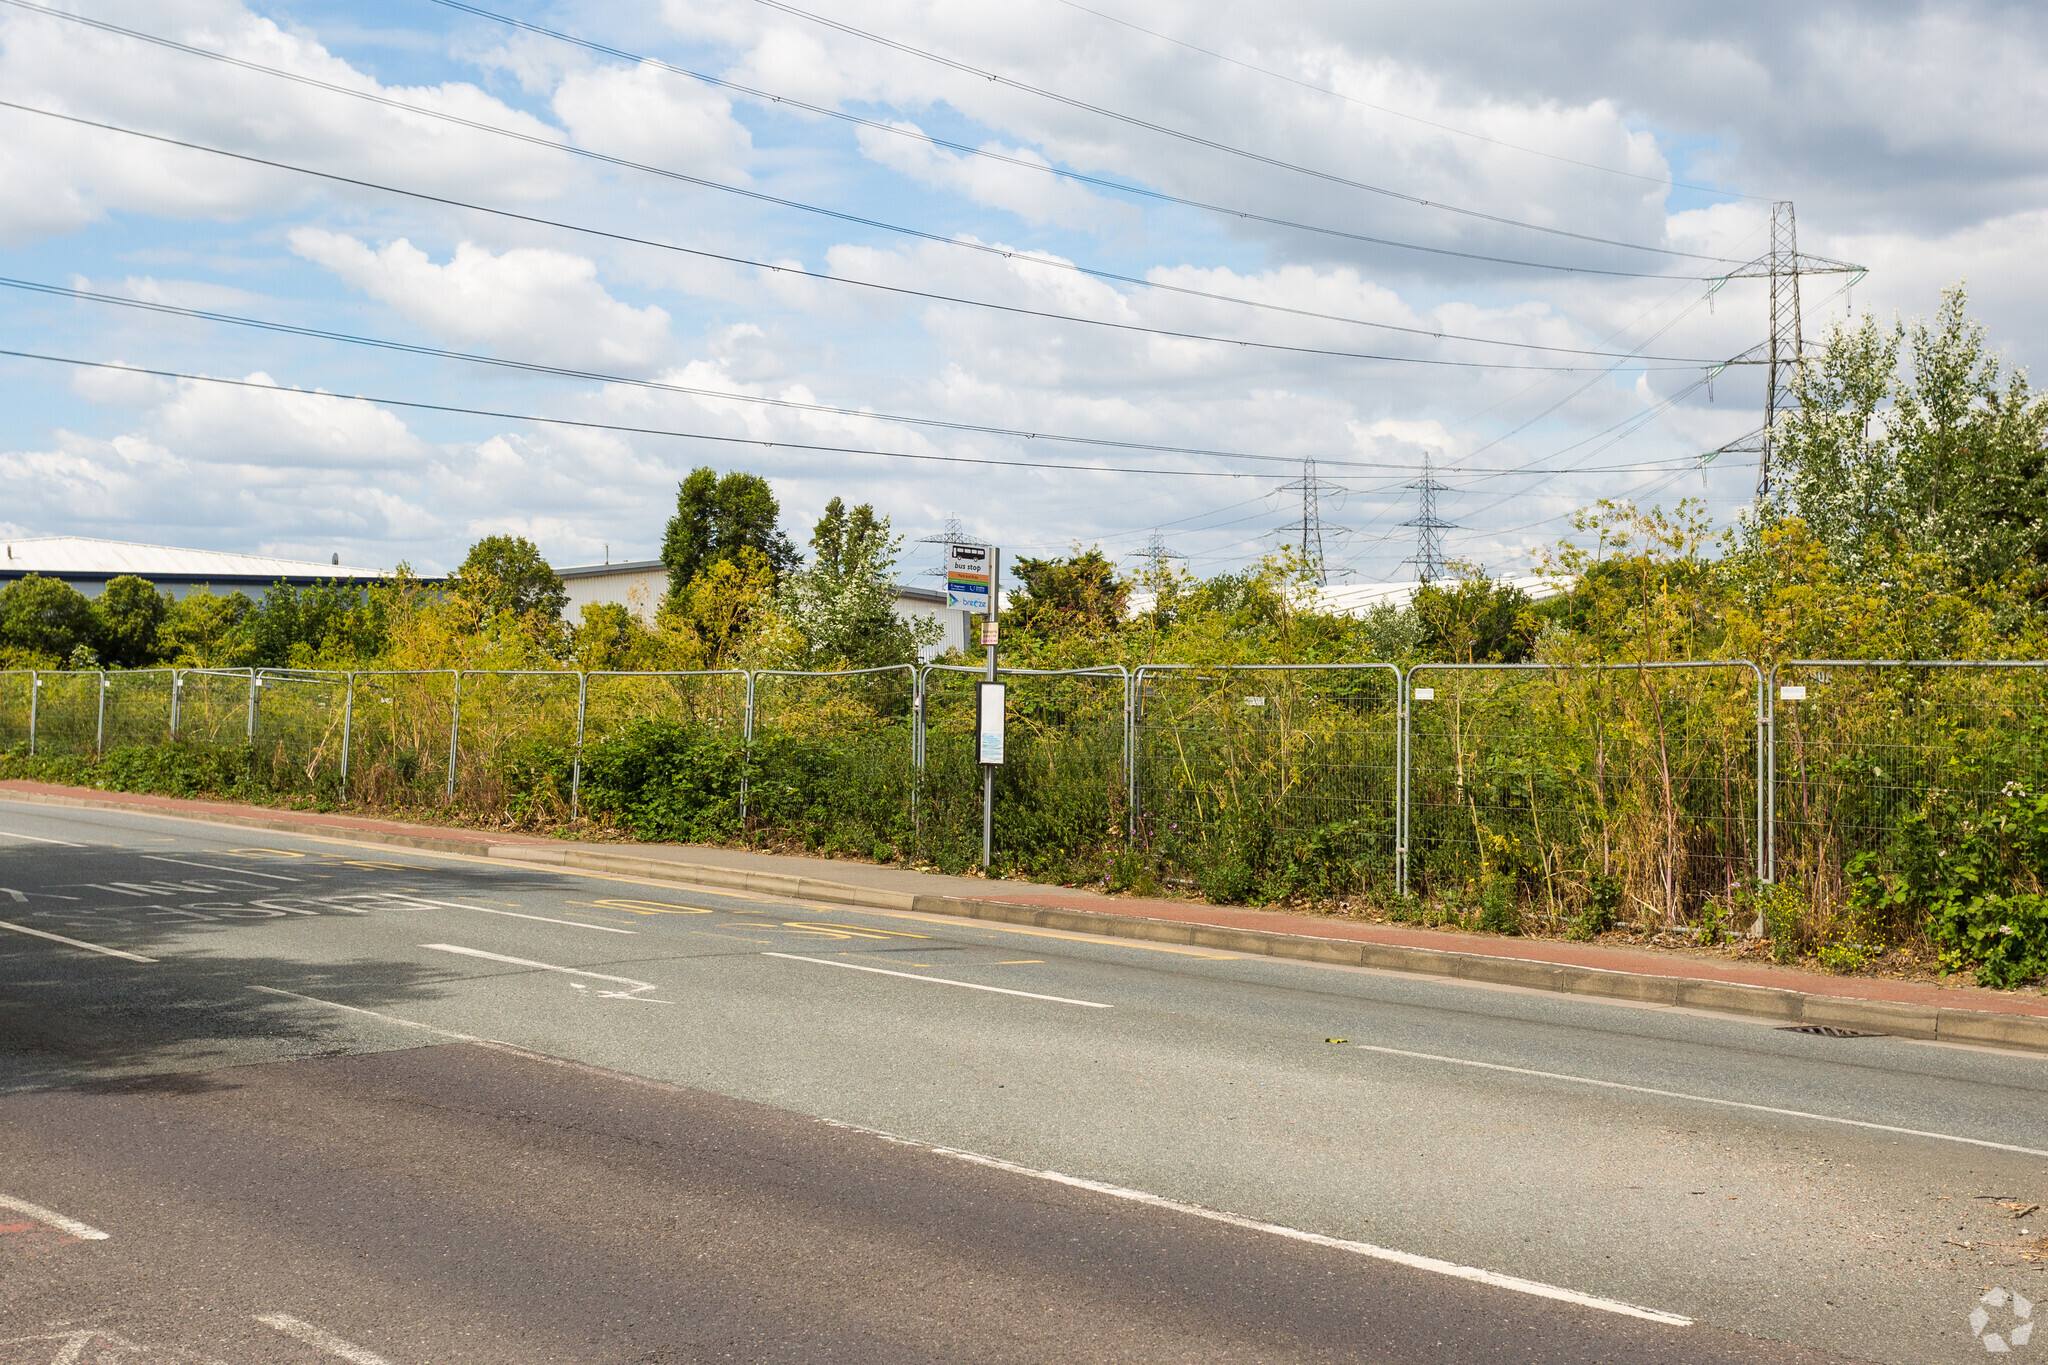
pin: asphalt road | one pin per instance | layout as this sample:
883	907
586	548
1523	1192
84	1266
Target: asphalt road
429	1108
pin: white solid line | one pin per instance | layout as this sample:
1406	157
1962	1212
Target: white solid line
236	871
543	966
1706	1099
486	910
387	1018
941	981
84	1232
1379	1253
38	839
74	942
320	1339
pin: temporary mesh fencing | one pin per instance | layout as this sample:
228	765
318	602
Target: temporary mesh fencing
1858	746
302	729
1551	787
832	757
401	738
68	713
1270	780
17	700
1062	790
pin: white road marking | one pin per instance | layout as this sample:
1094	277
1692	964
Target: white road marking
84	1232
320	1339
514	914
637	986
38	839
235	871
19	899
73	942
1379	1253
942	981
387	1018
1706	1099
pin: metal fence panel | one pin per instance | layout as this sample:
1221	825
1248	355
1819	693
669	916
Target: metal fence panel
832	758
400	737
139	706
1529	782
516	747
213	705
1061	794
67	713
1860	745
1269	781
717	701
17	688
301	726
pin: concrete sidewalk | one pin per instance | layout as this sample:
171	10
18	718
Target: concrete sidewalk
1687	980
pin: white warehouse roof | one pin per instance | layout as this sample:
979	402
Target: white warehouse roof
87	564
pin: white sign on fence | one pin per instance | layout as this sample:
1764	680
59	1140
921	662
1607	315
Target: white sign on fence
988	723
968	578
1791	693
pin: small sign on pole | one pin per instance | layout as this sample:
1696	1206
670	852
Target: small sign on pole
988	724
969	578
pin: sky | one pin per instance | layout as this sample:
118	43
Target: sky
1061	273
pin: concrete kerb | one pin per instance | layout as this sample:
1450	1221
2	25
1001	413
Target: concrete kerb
1976	1028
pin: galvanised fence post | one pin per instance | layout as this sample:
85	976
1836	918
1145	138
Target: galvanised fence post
746	744
576	766
177	694
348	716
35	694
99	724
255	684
1401	750
454	730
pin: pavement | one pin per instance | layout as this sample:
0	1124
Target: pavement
333	1098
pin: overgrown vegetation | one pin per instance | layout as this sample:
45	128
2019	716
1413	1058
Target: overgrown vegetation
1598	789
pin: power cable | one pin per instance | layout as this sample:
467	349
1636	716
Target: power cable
664	386
759	196
1020	163
1211	144
1404	114
800	271
623	427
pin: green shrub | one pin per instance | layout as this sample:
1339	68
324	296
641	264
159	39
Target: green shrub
1602	908
2005	938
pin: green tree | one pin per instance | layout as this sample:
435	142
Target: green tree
1917	441
844	603
505	574
1081	593
1473	620
715	519
132	615
205	630
43	620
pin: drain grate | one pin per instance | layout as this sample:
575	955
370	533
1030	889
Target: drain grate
1828	1031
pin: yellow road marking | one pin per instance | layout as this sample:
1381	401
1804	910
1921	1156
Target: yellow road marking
1023	962
645	907
1062	935
572	914
841	930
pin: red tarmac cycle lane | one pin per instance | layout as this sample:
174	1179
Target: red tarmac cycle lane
461	1203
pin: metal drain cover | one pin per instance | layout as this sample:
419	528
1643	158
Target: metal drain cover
1828	1031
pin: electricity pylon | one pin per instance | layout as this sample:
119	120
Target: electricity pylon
1429	527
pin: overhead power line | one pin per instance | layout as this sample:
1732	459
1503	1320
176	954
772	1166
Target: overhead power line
904	291
1021	163
622	427
1211	144
941	239
1403	113
689	390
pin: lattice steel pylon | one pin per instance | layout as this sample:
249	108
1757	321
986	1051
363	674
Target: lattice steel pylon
1157	552
1785	351
1429	527
1312	528
954	534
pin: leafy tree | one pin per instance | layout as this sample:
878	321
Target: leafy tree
506	575
726	617
42	620
1917	442
131	614
1079	593
609	638
205	630
715	519
1474	620
844	604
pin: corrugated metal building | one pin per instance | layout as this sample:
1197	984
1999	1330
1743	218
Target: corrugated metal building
87	565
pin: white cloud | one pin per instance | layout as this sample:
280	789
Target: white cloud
1034	196
529	303
654	117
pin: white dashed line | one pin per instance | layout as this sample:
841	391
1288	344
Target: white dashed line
234	871
1452	1269
74	942
1704	1099
38	839
320	1339
514	914
636	986
942	981
84	1232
